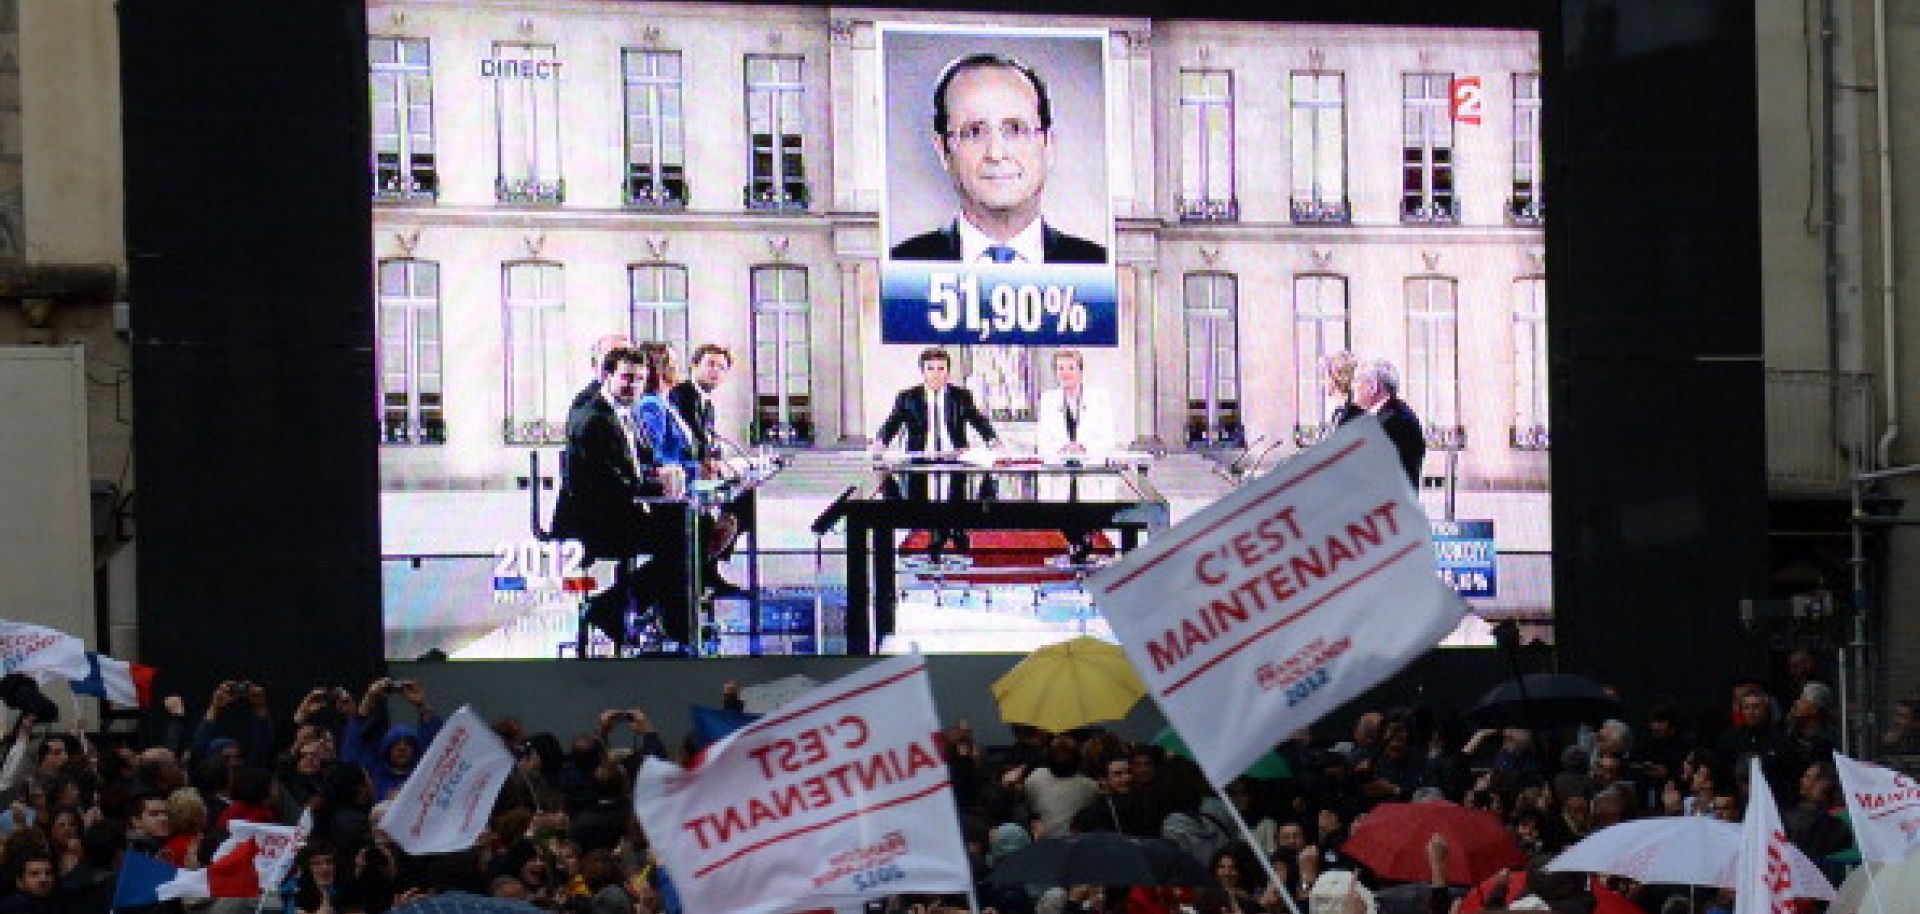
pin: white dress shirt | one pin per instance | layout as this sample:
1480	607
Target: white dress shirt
1028	247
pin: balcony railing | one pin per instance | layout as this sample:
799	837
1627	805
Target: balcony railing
1446	437
1819	428
1526	211
1207	209
529	190
1321	212
1440	212
788	197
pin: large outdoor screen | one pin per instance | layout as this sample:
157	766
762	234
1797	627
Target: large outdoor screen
1207	218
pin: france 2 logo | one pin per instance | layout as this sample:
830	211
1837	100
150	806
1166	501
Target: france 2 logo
1465	100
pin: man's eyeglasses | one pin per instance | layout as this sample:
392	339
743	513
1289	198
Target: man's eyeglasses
1012	133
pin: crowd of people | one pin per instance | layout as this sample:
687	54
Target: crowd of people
563	836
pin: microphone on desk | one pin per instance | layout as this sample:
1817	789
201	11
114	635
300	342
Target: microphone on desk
1254	467
1237	468
779	460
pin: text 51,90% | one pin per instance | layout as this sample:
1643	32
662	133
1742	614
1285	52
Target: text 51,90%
953	300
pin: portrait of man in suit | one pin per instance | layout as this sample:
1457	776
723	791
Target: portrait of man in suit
993	132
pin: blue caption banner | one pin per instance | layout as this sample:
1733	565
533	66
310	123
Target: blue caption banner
999	304
1467	557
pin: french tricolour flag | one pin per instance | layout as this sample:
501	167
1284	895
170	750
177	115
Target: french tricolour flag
145	880
118	681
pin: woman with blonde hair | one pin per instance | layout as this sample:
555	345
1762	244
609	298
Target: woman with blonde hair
188	813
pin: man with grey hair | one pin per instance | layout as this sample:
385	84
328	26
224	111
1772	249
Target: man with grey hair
1376	390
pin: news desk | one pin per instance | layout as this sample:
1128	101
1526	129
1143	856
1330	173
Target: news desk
925	494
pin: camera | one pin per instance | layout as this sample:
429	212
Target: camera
624	715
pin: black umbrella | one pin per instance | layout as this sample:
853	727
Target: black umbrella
465	903
1548	700
1101	858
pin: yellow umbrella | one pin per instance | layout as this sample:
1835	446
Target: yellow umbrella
1069	684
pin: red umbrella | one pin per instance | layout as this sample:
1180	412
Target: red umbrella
1392	841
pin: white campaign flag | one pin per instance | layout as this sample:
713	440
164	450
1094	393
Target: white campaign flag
1885	808
278	845
41	652
1258	615
840	795
1767	875
446	800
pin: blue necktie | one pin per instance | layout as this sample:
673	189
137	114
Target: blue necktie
1002	254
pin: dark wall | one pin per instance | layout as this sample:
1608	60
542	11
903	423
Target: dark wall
248	232
1653	249
250	277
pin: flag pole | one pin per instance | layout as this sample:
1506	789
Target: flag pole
1873	888
1273	878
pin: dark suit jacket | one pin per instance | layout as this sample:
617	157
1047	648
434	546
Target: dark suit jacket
698	414
910	411
1403	428
1055	245
600	481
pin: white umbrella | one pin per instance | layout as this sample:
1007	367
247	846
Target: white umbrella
1896	884
1678	850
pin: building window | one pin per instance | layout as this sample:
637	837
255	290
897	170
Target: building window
1526	207
1319	107
411	382
1213	360
526	109
777	177
1321	327
540	368
402	77
657	305
1530	429
1426	141
782	361
1206	147
656	150
1430	381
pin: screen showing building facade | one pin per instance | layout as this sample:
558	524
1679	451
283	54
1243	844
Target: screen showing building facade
1207	218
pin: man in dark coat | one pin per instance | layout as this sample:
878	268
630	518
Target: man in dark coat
609	463
1376	390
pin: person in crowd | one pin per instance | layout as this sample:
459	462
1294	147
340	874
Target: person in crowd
187	823
1057	791
387	750
1117	808
1813	822
1902	736
1811	729
33	886
1759	733
152	826
88	887
318	872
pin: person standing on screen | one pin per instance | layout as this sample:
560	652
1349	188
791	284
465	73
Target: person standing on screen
1376	390
693	400
610	463
1075	420
934	413
993	132
1339	368
935	416
601	347
1076	423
